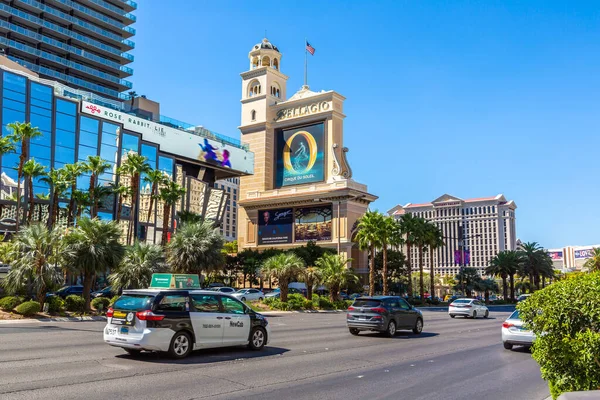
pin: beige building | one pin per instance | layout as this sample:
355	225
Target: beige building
302	188
229	224
571	258
487	225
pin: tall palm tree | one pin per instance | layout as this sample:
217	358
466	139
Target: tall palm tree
486	286
532	263
311	276
284	267
368	237
82	201
22	133
35	257
170	195
389	236
93	247
154	177
434	238
195	248
132	95
72	172
139	263
123	192
505	265
58	182
96	166
420	234
593	263
134	165
32	169
335	273
408	228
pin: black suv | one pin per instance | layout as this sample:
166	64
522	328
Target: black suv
385	314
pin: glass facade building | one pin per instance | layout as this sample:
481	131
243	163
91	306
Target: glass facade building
82	43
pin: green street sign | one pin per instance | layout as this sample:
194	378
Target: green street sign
175	281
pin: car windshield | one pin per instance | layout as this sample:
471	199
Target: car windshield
62	289
242	291
134	302
368	303
462	301
515	315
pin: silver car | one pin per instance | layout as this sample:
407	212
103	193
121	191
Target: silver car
513	332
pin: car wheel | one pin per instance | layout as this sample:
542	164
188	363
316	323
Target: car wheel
487	314
418	326
354	331
474	314
452	315
508	346
391	329
133	352
258	338
243	299
181	345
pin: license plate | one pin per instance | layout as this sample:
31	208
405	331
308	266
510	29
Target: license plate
124	330
111	331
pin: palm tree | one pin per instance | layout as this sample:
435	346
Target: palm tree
369	238
420	234
32	169
22	133
505	265
284	267
486	286
389	235
170	195
72	172
134	165
532	262
408	227
195	248
593	263
434	239
96	166
93	247
123	192
154	177
139	263
83	201
35	255
100	195
7	145
58	182
311	276
132	95
335	273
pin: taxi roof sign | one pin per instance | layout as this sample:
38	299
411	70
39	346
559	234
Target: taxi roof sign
175	281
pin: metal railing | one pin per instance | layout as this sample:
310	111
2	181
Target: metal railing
114	9
95	14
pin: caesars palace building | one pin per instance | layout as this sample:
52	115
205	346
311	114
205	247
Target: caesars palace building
302	188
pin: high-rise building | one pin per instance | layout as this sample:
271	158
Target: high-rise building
81	43
232	187
487	226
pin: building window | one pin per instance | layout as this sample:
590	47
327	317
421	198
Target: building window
253	115
254	88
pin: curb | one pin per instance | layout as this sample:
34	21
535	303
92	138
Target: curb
57	319
302	312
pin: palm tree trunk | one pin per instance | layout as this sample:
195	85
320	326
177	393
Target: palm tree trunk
71	216
421	282
52	218
166	216
31	204
92	200
151	202
512	287
119	208
134	194
409	269
309	288
431	273
372	272
87	285
334	293
22	158
385	270
543	281
504	287
283	286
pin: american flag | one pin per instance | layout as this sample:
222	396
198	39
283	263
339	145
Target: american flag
310	49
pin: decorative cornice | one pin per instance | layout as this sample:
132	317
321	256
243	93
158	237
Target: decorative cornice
253	73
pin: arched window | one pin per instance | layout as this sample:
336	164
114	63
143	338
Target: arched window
275	90
266	61
275	63
253	115
255	62
254	88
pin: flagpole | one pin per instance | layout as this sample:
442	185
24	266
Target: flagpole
305	63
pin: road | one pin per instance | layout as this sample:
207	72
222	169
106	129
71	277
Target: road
311	356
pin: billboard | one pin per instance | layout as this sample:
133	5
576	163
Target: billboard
300	155
178	142
275	226
556	255
313	223
584	253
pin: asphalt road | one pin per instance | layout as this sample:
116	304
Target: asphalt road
311	356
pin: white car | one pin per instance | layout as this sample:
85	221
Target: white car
469	308
513	332
179	321
249	294
224	289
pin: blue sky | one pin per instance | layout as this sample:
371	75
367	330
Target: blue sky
470	98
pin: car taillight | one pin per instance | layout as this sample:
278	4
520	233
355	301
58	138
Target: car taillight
507	325
379	310
350	308
148	315
109	312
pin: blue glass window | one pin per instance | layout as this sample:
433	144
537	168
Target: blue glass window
10	116
64	138
165	164
83	182
110	139
66	107
85	152
43	123
88	124
109	128
43	140
41	92
13	105
150	152
109	153
16	96
10	160
40	153
64	155
41	111
14	82
41	103
66	122
88	139
105	216
130	143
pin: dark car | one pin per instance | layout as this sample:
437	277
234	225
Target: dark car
385	314
106	292
65	291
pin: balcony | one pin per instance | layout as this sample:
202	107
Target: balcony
16	46
118	13
36	23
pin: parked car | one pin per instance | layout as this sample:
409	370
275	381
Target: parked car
468	308
277	293
523	297
354	296
385	314
344	296
106	292
513	332
65	291
179	321
223	289
249	294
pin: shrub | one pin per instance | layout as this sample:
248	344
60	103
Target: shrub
28	308
55	304
10	302
309	305
100	302
113	300
324	303
75	303
295	301
565	318
269	300
339	305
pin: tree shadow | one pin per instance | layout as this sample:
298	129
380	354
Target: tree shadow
206	356
401	335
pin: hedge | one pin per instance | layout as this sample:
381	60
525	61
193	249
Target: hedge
75	303
10	302
100	302
28	308
55	304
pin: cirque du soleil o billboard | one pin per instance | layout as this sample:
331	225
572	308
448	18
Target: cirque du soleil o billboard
300	155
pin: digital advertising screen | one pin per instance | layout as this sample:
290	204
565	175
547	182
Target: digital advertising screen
313	223
275	226
300	155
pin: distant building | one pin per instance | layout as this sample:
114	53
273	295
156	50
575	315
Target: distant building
488	227
571	258
228	226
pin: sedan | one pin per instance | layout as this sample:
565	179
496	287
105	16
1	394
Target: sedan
249	294
67	291
106	292
224	289
513	332
469	308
